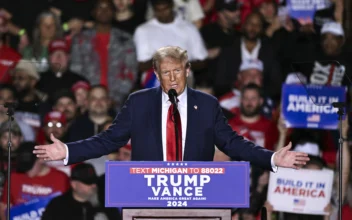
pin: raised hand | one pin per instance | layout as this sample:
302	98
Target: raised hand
290	159
54	151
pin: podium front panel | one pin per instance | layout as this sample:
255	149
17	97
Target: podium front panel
177	184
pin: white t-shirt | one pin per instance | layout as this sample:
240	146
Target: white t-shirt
153	35
190	10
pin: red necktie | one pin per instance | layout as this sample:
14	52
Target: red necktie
170	135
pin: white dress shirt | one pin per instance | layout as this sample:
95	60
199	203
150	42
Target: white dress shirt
182	107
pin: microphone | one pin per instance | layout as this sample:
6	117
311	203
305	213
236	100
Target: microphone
172	96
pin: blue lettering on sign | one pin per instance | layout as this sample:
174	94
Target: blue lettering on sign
287	182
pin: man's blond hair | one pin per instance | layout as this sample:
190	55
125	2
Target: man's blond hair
173	52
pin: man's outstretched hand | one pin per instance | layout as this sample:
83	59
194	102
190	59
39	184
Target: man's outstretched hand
290	159
54	151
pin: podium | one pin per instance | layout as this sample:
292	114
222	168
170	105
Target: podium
177	190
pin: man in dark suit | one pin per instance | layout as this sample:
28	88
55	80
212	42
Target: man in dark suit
146	119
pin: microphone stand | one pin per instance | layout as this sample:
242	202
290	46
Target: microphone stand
10	112
340	112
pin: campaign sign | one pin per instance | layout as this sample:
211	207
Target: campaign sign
300	191
303	10
31	210
310	106
177	184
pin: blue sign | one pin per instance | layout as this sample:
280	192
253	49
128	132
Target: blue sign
177	184
303	10
31	210
310	106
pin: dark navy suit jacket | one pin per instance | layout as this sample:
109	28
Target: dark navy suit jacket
140	120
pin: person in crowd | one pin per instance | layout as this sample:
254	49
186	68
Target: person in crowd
204	115
328	62
16	140
8	56
32	179
250	72
126	17
311	144
75	202
250	123
54	123
208	7
222	32
333	13
64	101
162	30
81	90
58	76
47	28
188	10
323	68
315	163
281	29
8	95
168	28
105	55
92	122
97	114
20	27
32	103
74	15
249	46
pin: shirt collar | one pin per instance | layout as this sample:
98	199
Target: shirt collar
181	98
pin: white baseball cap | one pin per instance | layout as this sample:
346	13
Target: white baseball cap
28	67
296	78
308	148
333	28
252	64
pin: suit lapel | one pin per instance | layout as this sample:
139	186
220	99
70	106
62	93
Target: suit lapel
157	124
192	118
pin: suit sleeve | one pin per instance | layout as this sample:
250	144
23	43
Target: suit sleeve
235	146
105	142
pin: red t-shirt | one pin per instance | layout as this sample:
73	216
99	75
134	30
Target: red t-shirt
25	188
102	45
262	132
8	59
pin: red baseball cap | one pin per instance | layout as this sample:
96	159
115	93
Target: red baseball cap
55	116
59	44
128	147
80	84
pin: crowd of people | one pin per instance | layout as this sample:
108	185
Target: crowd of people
70	65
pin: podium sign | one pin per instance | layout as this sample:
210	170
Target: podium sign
177	184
